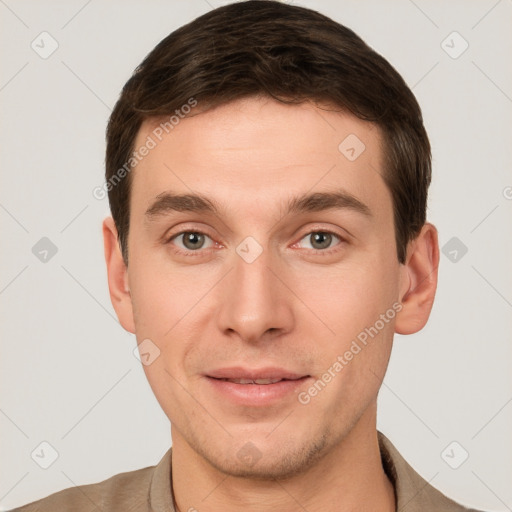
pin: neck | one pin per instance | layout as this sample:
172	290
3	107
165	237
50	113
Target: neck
349	476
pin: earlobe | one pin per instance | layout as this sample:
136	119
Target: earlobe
117	273
418	281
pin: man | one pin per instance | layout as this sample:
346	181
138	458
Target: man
267	175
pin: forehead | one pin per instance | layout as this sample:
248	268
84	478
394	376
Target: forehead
258	149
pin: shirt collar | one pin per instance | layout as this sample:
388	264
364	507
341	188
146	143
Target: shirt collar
160	492
412	492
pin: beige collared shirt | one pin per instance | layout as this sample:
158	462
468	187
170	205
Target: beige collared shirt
149	490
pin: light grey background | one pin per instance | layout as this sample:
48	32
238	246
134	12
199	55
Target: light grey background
68	373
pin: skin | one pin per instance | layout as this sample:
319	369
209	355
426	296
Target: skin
292	307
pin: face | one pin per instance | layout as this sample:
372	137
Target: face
279	271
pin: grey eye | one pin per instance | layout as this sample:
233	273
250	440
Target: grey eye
320	240
192	240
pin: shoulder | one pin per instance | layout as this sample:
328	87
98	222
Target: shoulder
413	492
121	492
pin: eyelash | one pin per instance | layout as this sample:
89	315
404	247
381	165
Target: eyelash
200	252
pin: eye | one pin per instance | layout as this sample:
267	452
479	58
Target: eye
192	240
320	240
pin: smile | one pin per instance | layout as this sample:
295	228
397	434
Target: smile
254	388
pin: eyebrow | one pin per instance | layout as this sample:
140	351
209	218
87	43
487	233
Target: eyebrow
167	203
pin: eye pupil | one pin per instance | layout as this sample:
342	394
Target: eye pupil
193	240
322	239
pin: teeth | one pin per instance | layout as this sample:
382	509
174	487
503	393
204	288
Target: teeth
266	381
255	381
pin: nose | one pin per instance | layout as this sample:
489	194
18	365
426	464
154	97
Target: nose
254	304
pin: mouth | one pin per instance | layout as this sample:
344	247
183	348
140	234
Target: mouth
263	382
250	387
266	375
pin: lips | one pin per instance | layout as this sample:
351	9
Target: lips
251	387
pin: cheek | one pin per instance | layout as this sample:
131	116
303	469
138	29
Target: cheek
163	296
169	309
350	300
349	297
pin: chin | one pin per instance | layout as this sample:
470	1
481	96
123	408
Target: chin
247	460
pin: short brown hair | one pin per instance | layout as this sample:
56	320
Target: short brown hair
289	53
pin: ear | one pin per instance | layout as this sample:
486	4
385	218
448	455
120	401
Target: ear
418	281
117	276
